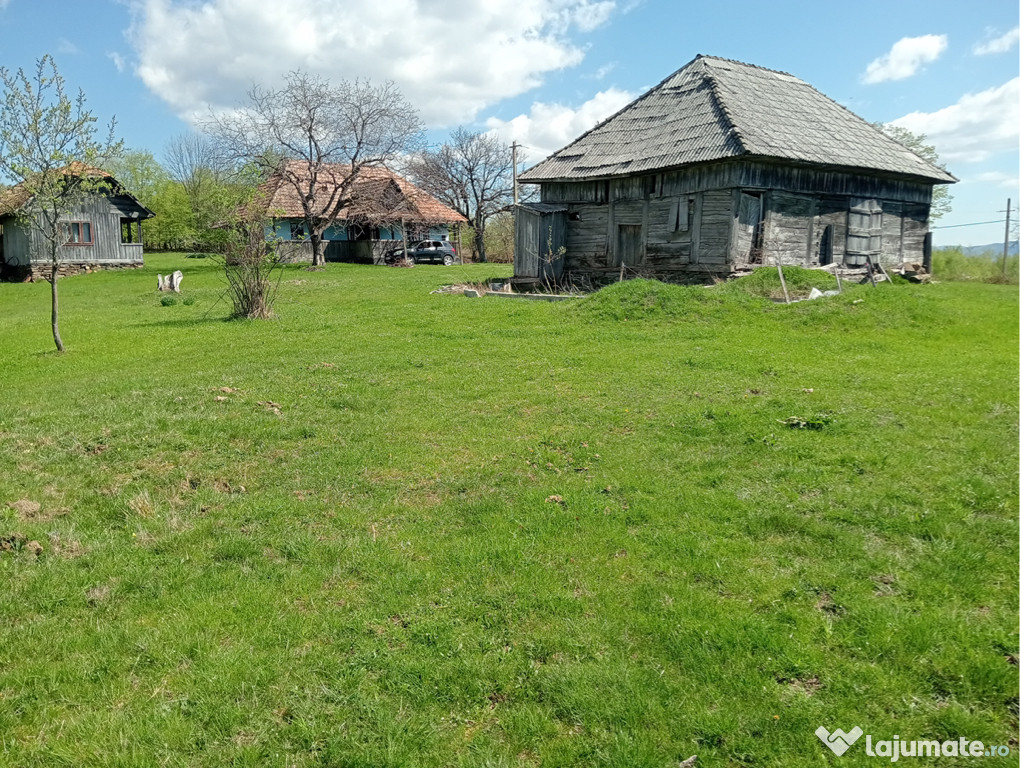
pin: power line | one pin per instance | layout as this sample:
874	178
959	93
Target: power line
972	223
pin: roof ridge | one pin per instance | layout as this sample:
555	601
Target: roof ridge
745	64
624	108
720	103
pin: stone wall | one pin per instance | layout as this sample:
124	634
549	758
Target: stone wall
41	271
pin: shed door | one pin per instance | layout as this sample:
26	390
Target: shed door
750	228
864	231
629	242
526	243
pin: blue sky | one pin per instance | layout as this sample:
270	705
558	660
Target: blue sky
543	71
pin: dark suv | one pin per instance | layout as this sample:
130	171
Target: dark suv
433	251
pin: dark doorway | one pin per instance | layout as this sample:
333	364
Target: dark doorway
825	247
629	242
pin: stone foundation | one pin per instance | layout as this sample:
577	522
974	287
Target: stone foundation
41	271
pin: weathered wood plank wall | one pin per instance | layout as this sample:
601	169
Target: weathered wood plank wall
800	204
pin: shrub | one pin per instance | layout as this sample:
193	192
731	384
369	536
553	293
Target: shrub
953	265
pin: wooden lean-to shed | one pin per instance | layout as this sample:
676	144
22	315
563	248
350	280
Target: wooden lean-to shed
540	229
722	167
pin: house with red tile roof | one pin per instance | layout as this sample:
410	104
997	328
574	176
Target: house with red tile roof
381	207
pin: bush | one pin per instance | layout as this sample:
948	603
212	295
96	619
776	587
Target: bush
168	301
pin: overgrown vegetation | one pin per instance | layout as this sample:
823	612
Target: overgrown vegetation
953	264
396	528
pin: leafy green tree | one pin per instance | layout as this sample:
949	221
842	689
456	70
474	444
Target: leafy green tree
140	174
49	148
941	199
174	225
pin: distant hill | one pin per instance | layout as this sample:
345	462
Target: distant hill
980	250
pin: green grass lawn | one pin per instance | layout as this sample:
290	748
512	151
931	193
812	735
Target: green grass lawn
396	528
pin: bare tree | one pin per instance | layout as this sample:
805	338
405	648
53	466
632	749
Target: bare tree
48	146
316	138
192	161
499	237
473	174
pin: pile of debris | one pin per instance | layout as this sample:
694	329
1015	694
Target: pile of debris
914	272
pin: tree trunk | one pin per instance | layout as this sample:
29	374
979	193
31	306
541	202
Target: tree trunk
317	257
480	237
54	313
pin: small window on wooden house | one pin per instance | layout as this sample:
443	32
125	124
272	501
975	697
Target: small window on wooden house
864	228
79	232
130	231
297	230
653	185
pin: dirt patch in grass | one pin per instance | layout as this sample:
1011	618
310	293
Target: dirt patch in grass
26	509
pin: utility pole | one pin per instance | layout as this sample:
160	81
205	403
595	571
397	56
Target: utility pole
513	148
1005	241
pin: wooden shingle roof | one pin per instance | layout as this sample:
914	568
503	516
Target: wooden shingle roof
715	109
416	206
13	199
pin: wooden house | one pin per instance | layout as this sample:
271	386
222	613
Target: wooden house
721	167
383	202
104	231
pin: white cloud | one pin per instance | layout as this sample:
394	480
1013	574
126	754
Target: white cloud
548	127
117	59
65	46
905	58
1000	179
603	71
975	127
999	44
451	58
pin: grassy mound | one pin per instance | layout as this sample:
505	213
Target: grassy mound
643	299
764	282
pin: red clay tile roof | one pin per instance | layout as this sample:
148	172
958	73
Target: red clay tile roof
420	208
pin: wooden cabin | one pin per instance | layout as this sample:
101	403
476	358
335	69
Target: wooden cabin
383	202
104	231
722	167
